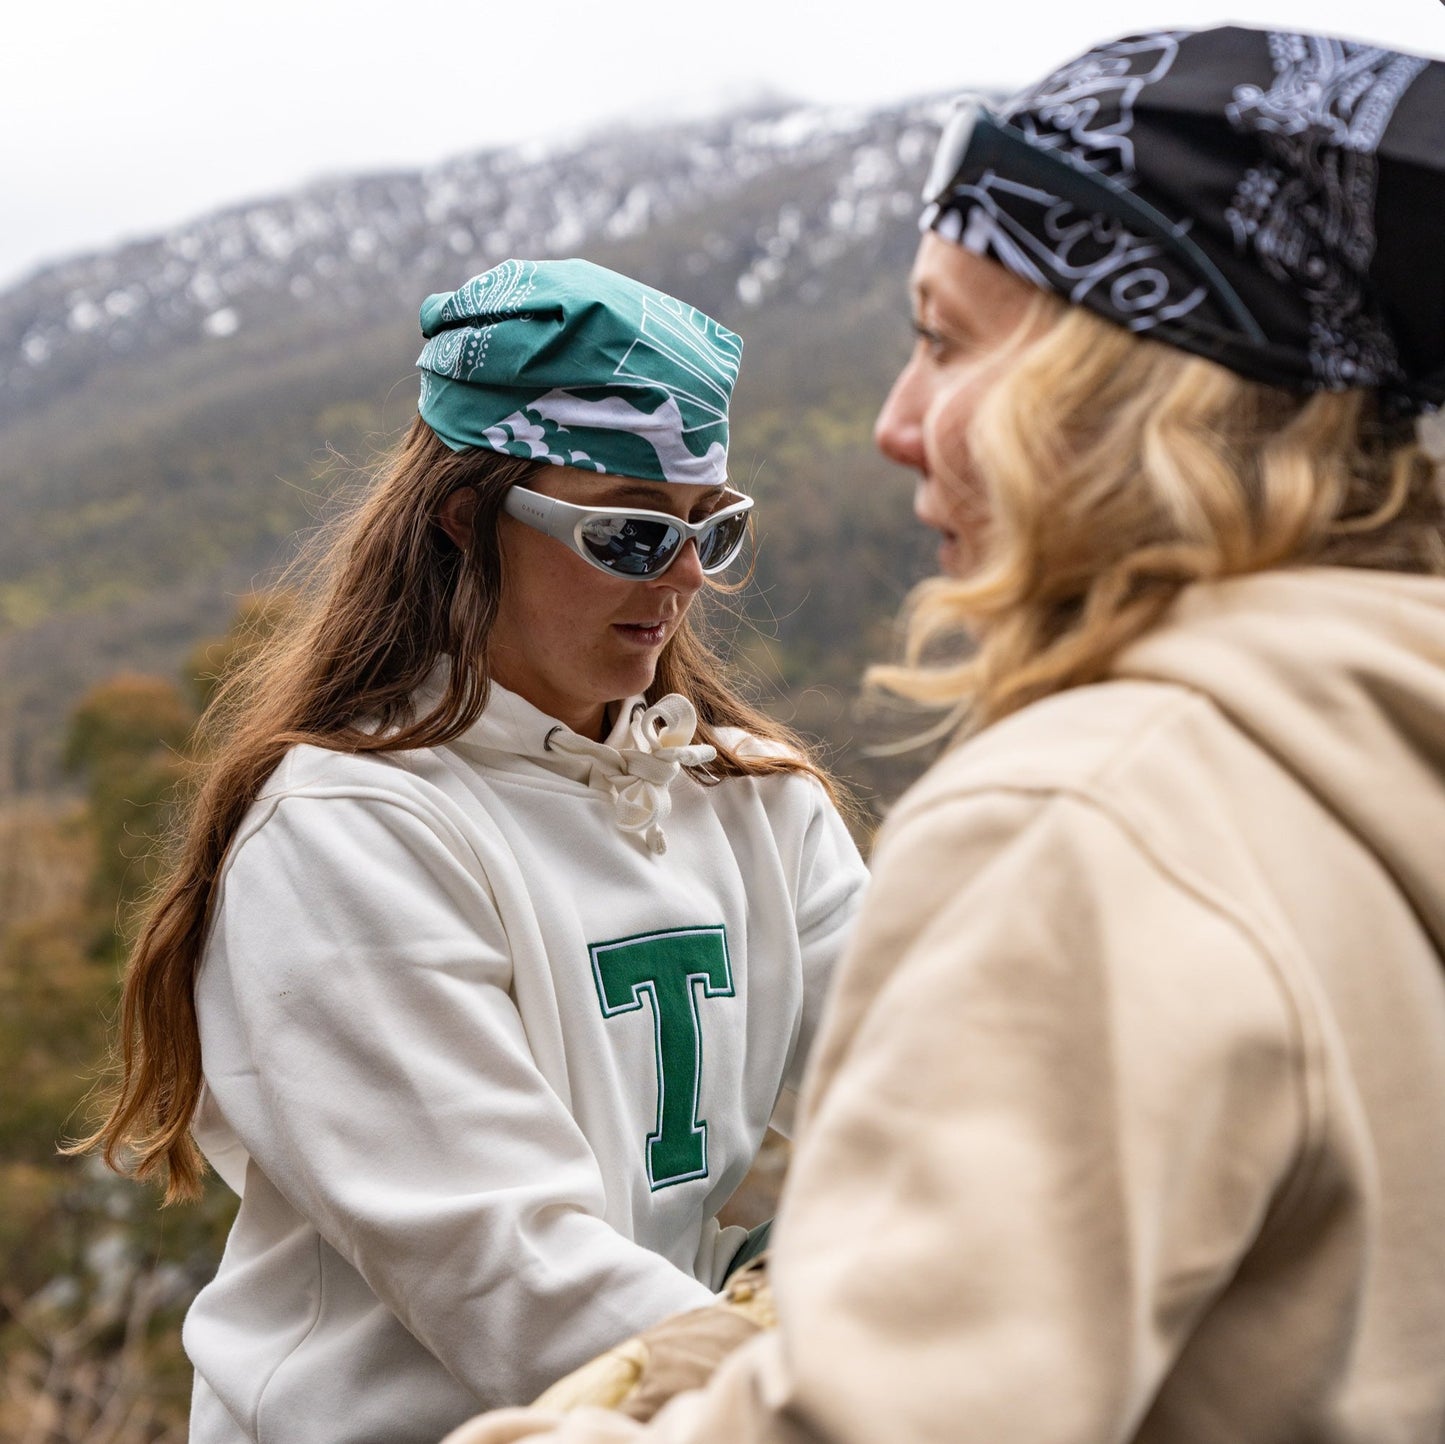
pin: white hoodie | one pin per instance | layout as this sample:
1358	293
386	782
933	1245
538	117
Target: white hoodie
485	1050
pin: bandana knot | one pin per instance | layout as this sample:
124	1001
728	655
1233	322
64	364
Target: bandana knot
639	762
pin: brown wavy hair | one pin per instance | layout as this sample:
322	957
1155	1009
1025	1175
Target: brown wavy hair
1118	470
382	595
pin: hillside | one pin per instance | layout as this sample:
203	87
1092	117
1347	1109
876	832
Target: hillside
173	411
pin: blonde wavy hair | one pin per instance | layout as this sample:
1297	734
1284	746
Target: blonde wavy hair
1115	471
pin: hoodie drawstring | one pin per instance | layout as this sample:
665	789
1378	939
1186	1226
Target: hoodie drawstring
638	774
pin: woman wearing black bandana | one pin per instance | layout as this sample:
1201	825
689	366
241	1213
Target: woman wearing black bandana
1127	1124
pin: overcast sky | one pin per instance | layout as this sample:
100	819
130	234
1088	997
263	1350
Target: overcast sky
119	118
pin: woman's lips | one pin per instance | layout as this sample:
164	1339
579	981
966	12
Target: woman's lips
949	551
648	634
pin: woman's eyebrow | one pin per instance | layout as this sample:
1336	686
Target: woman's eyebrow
638	492
656	498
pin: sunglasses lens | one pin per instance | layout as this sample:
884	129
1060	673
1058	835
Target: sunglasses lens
631	546
716	548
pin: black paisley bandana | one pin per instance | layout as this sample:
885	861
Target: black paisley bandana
1275	202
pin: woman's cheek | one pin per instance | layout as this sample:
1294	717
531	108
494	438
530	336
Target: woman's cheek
952	469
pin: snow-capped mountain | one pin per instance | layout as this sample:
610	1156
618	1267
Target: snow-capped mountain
812	185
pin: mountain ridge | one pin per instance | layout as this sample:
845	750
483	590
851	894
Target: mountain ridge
210	277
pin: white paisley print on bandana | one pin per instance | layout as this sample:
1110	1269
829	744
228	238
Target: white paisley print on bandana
502	291
1310	217
1073	100
1084	110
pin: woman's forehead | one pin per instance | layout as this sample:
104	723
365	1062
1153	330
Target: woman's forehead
590	488
953	276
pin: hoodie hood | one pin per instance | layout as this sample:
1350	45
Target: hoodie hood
1340	675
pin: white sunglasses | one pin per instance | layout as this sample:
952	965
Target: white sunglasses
638	545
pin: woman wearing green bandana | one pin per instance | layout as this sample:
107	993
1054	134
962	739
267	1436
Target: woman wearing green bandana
500	929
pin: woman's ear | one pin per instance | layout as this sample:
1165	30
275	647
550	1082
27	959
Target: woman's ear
456	514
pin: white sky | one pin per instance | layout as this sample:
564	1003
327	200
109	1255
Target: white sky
119	118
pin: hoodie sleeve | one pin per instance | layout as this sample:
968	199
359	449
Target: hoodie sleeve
1059	1097
831	881
360	1041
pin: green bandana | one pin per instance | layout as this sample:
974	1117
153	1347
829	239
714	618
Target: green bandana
568	362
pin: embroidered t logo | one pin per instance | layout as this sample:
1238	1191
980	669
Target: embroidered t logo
671	971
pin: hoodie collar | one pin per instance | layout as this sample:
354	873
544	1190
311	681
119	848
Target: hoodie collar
1340	674
634	766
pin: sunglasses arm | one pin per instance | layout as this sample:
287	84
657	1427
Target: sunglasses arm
537	510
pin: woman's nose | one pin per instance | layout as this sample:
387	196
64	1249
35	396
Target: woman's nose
898	432
685	574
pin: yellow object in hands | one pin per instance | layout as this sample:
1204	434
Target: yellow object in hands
639	1376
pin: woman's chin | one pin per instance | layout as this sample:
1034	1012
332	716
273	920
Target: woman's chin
954	559
961	553
635	678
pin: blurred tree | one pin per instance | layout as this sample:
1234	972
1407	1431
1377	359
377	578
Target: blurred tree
94	1277
210	663
127	739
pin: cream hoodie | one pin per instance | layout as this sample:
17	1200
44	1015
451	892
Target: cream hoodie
1127	1122
490	1032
